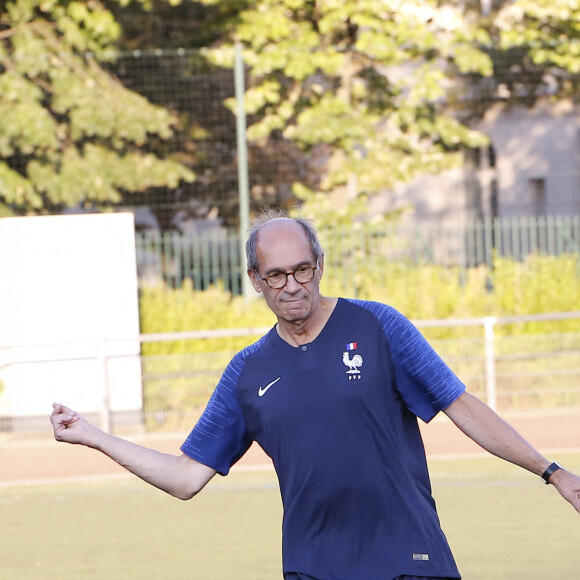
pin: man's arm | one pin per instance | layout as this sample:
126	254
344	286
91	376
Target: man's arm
179	476
492	433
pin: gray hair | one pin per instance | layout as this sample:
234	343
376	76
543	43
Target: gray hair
270	214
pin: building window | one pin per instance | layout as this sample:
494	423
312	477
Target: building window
494	199
480	157
474	198
537	187
491	156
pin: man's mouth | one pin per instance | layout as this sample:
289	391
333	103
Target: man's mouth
294	304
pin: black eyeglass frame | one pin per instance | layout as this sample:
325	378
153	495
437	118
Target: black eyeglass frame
286	274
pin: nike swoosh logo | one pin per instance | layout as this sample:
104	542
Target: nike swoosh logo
263	390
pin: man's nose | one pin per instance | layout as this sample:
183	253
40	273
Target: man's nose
291	284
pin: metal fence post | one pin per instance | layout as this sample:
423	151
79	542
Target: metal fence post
490	384
243	180
105	391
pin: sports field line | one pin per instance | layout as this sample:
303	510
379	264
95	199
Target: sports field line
64	480
103	477
27	463
483	453
237	487
107	477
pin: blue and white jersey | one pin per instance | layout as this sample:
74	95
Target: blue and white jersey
338	417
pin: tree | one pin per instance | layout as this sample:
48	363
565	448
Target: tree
360	85
163	60
71	133
535	50
542	37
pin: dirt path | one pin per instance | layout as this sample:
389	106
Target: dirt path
45	461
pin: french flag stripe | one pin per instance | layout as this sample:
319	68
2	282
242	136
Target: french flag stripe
351	346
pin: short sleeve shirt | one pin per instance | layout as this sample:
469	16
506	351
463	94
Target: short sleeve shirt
338	417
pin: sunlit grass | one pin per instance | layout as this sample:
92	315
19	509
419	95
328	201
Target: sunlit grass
500	521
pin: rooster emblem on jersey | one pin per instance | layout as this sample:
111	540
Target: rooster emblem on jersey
353	363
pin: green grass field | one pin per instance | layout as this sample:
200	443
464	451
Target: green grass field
500	521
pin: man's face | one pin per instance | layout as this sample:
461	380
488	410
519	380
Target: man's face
282	247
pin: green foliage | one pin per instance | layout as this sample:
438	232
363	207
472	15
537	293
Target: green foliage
422	292
364	80
168	310
540	284
548	29
71	133
177	387
324	209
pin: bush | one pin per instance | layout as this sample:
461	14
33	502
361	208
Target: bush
173	310
177	387
539	284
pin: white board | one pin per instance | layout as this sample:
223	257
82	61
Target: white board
68	311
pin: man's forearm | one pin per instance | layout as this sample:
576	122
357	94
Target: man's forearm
179	476
491	432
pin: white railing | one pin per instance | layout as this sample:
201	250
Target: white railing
489	323
101	368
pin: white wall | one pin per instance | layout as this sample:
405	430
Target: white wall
68	296
440	197
542	143
539	143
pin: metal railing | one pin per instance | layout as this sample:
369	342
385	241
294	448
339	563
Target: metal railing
519	372
214	256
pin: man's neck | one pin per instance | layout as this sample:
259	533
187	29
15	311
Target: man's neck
305	331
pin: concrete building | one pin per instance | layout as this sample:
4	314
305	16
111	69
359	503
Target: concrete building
530	168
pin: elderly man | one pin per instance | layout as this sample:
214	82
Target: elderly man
332	394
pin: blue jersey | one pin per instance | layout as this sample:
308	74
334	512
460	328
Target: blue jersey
338	417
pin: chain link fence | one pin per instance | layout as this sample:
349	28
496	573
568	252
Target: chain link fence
200	95
184	82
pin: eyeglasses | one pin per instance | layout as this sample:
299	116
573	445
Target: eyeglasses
278	280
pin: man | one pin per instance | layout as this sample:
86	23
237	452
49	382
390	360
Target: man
332	393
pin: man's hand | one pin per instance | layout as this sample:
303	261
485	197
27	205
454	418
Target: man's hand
568	484
69	426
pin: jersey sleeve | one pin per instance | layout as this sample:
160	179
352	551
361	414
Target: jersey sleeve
219	438
423	379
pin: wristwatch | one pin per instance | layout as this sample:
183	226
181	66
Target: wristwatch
550	471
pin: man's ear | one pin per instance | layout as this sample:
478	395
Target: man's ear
255	281
320	267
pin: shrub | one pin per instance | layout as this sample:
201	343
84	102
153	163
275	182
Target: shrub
539	284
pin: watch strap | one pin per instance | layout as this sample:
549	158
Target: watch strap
552	468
